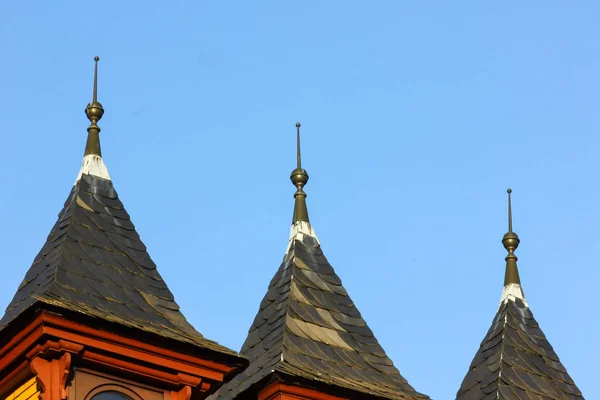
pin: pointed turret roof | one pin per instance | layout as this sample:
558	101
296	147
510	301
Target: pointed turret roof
308	328
515	360
94	262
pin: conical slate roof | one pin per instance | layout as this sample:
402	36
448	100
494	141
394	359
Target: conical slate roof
515	360
308	327
94	262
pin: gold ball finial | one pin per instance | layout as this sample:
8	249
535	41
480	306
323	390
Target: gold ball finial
511	241
94	110
299	177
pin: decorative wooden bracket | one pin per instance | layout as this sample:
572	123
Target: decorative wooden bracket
183	394
52	376
51	363
51	346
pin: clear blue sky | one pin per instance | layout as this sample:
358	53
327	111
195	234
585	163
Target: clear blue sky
416	118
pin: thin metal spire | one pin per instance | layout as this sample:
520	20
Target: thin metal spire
509	191
94	112
298	145
511	242
95	96
299	178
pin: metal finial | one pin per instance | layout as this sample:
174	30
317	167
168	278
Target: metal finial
94	112
299	178
509	191
299	156
95	97
511	242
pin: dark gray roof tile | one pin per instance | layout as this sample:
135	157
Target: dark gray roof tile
94	263
516	361
308	327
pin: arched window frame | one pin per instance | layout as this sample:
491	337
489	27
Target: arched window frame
113	388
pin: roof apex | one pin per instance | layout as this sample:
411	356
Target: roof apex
307	326
299	178
95	263
515	360
94	111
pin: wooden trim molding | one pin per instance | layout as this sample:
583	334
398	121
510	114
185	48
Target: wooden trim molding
51	348
183	394
50	362
52	343
14	378
113	388
280	391
52	376
88	383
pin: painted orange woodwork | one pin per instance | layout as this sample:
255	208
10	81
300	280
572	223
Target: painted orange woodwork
12	379
46	321
88	383
140	369
27	391
16	349
92	332
183	394
51	347
280	391
52	376
92	343
50	337
43	366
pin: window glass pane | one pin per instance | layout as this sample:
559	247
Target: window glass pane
110	396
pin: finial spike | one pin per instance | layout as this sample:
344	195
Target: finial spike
94	112
299	156
509	191
299	178
95	97
511	242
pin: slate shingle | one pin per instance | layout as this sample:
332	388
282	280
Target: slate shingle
95	263
516	361
308	327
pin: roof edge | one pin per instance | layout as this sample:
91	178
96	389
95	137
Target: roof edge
41	306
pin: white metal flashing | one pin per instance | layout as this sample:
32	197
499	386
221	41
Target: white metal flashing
298	230
513	291
92	164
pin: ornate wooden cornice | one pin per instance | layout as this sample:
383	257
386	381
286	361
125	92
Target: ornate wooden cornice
52	376
51	345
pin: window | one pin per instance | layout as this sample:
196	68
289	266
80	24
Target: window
95	385
112	395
